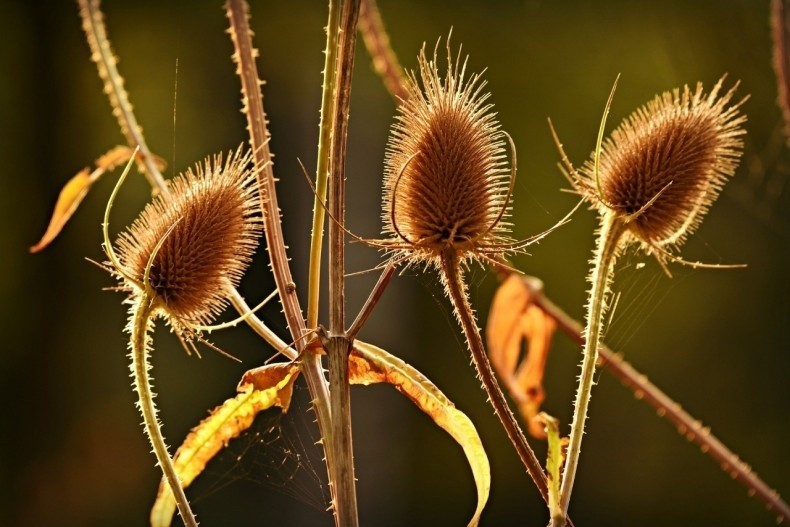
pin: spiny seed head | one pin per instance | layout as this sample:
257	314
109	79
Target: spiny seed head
446	174
214	216
677	150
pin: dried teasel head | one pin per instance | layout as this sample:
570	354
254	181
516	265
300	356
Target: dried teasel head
446	175
665	164
186	249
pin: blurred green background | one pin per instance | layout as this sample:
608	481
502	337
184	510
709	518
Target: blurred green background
73	452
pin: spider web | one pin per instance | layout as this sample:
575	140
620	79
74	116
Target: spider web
279	452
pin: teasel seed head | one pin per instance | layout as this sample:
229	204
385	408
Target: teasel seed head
202	239
666	163
446	175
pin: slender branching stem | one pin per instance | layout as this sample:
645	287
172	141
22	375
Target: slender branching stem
322	166
340	346
373	299
244	55
122	109
451	272
691	428
377	42
93	24
609	237
141	323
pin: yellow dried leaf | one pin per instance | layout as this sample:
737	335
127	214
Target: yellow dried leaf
369	364
512	321
69	199
75	190
225	422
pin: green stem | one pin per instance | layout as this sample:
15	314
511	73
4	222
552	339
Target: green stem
451	270
605	255
322	169
141	324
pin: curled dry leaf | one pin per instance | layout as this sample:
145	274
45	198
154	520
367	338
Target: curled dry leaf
369	364
513	320
75	190
260	389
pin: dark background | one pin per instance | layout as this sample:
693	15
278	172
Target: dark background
73	452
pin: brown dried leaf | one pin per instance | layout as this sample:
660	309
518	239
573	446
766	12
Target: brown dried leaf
513	321
75	190
260	389
369	364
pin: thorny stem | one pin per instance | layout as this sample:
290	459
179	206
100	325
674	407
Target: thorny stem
140	327
340	346
387	66
451	272
609	237
377	42
385	62
322	168
93	23
244	56
643	389
122	109
102	55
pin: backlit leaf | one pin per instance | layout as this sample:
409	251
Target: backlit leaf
260	389
369	364
69	199
512	322
75	190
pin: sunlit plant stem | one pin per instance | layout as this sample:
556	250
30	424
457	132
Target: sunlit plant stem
605	255
143	312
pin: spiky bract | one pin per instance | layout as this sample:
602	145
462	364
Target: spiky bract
446	175
208	228
679	150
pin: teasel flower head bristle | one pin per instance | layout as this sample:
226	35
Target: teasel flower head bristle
202	239
652	181
446	175
666	163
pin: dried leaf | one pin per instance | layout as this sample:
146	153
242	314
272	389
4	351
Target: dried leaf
556	457
369	364
75	190
69	199
514	320
260	389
